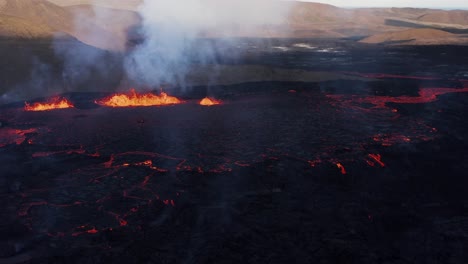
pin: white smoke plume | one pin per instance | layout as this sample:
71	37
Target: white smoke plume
171	29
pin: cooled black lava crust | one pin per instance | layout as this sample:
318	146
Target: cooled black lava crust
335	172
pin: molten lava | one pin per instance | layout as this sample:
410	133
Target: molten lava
54	103
135	99
209	101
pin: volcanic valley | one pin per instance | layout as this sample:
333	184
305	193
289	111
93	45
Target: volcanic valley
328	142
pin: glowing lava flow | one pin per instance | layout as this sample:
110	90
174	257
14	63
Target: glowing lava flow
54	103
135	99
426	95
14	136
209	101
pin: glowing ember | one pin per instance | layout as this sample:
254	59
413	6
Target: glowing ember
135	99
54	103
209	101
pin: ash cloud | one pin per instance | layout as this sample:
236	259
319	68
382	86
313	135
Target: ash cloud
172	32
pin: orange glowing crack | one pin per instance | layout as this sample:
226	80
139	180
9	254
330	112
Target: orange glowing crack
314	163
50	153
341	167
242	164
14	136
376	158
92	231
389	140
426	95
25	209
207	101
141	192
123	222
133	99
146	163
167	202
54	103
89	231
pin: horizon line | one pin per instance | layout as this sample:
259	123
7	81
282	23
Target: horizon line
383	6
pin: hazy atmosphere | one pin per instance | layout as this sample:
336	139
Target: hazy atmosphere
462	4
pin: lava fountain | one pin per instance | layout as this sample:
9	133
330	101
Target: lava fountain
135	99
209	101
54	103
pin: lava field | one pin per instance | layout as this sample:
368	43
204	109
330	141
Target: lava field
340	172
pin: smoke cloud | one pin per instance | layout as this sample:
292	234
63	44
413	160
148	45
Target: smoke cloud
171	30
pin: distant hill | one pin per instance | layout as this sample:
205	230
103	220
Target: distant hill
313	13
131	5
98	26
23	28
106	23
456	17
410	35
39	12
429	26
370	21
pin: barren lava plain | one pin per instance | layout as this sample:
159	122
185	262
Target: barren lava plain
343	171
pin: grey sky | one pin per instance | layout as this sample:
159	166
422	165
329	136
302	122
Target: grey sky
398	3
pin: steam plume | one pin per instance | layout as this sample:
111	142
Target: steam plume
171	29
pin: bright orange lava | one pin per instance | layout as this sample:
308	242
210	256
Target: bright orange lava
135	99
209	101
54	103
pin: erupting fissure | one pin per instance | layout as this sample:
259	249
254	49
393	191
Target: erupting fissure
207	101
54	103
135	99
